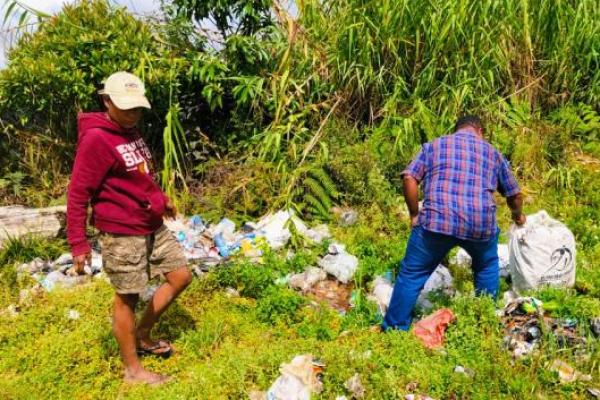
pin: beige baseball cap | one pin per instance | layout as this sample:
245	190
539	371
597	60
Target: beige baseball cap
126	91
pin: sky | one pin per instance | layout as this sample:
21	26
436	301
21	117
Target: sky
141	7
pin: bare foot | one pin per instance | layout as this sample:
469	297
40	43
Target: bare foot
145	377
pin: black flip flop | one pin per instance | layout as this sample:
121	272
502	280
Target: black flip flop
151	350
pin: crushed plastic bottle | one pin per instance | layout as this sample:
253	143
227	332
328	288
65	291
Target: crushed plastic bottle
221	245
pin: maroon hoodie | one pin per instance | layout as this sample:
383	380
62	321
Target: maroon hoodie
112	172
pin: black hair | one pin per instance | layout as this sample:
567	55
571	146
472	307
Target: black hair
468	120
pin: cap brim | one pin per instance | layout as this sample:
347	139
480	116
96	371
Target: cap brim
129	102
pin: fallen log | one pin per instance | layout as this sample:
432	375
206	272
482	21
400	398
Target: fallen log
16	221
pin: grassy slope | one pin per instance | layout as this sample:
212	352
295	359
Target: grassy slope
225	350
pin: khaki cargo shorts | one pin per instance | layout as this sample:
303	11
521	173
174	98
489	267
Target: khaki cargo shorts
131	261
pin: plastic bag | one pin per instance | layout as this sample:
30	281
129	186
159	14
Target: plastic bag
298	379
440	280
430	330
307	279
382	293
463	259
541	252
339	263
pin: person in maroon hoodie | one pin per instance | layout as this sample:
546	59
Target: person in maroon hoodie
113	172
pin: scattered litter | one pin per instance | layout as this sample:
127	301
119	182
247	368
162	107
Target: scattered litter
35	266
347	216
566	373
231	292
273	227
13	310
225	227
283	280
595	326
412	386
64	259
341	398
73	315
430	330
57	279
463	259
257	395
307	279
417	397
25	295
459	369
298	380
334	293
354	386
542	252
524	322
594	392
509	296
381	293
339	263
440	281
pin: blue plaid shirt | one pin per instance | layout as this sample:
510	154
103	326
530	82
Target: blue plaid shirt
460	173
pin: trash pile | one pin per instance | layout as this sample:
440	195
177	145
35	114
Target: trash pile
209	245
525	321
60	272
298	380
330	281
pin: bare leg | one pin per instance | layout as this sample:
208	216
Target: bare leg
176	282
124	331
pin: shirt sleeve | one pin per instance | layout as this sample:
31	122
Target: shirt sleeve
92	161
416	168
507	184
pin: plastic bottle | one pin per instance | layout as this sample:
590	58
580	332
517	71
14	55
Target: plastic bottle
221	245
197	223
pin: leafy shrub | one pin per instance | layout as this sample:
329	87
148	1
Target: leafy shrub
55	72
240	191
279	305
251	280
357	174
363	314
321	323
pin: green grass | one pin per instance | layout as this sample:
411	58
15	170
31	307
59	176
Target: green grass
229	346
26	248
225	351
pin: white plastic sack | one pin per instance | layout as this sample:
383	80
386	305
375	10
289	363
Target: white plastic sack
440	280
542	252
382	293
307	279
463	259
288	387
297	381
339	263
273	227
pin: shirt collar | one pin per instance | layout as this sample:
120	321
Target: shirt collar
467	131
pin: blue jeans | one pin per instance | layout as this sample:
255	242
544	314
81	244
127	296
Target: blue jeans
424	252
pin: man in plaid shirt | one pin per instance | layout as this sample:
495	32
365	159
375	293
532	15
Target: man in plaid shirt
459	174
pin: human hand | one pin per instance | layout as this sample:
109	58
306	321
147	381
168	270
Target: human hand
170	209
80	261
414	221
519	219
